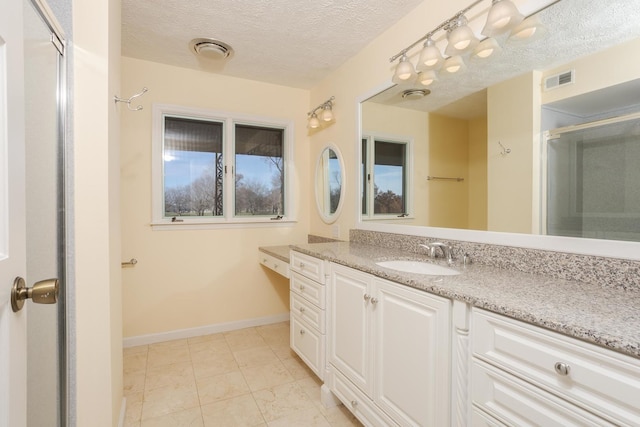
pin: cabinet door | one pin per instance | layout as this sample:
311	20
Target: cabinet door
350	344
412	354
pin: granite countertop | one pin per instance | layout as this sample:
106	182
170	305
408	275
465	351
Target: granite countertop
604	316
280	252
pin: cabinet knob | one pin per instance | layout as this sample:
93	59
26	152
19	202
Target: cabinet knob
302	265
374	300
264	260
562	368
302	332
302	287
302	309
367	297
354	403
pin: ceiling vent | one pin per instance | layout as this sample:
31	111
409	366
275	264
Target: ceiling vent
211	48
413	94
559	80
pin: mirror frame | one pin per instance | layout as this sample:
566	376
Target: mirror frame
331	218
584	246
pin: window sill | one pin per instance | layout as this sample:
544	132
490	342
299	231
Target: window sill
387	218
221	224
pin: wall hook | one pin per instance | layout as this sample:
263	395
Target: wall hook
128	101
505	150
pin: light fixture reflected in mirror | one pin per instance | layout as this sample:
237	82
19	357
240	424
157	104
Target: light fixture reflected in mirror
529	29
486	48
454	64
427	78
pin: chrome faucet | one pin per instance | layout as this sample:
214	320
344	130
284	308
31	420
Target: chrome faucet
447	250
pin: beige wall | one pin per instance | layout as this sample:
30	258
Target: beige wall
363	75
384	120
514	120
610	67
448	158
192	278
97	305
477	173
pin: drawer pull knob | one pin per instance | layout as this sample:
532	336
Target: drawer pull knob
264	260
562	368
302	287
374	300
301	331
275	266
354	403
367	297
302	265
302	309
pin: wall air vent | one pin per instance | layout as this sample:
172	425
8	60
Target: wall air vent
558	80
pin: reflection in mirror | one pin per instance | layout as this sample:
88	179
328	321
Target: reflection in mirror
487	125
329	184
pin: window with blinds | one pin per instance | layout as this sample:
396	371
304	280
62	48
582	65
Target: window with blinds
223	168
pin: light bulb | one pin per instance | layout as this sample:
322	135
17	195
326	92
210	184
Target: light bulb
427	77
461	38
313	121
453	64
430	56
404	70
502	17
327	114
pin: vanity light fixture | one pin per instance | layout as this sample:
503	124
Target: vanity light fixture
404	71
503	16
486	48
460	37
430	56
326	115
453	64
426	78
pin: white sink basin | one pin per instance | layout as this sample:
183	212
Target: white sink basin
419	267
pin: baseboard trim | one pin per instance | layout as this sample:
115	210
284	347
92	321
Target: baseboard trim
123	412
202	330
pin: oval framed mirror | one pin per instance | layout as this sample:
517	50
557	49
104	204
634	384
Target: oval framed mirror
329	183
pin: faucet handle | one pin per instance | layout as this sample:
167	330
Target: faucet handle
431	250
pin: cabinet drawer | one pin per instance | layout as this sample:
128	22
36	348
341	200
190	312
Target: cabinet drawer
308	266
310	313
357	402
308	344
515	402
480	419
308	289
602	381
274	264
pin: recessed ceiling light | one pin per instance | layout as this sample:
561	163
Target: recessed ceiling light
211	48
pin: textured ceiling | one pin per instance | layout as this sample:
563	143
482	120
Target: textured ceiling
287	42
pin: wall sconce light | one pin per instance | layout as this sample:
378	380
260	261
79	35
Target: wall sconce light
503	16
326	114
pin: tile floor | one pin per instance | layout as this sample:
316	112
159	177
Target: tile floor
248	377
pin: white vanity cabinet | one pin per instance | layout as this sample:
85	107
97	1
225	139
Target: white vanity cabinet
389	350
527	375
308	307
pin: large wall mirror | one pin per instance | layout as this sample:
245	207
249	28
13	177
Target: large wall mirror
488	157
329	183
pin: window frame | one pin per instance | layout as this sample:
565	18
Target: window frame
228	218
369	165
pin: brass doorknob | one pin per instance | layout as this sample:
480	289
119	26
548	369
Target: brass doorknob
43	292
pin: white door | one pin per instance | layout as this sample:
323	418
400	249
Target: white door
31	216
13	326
